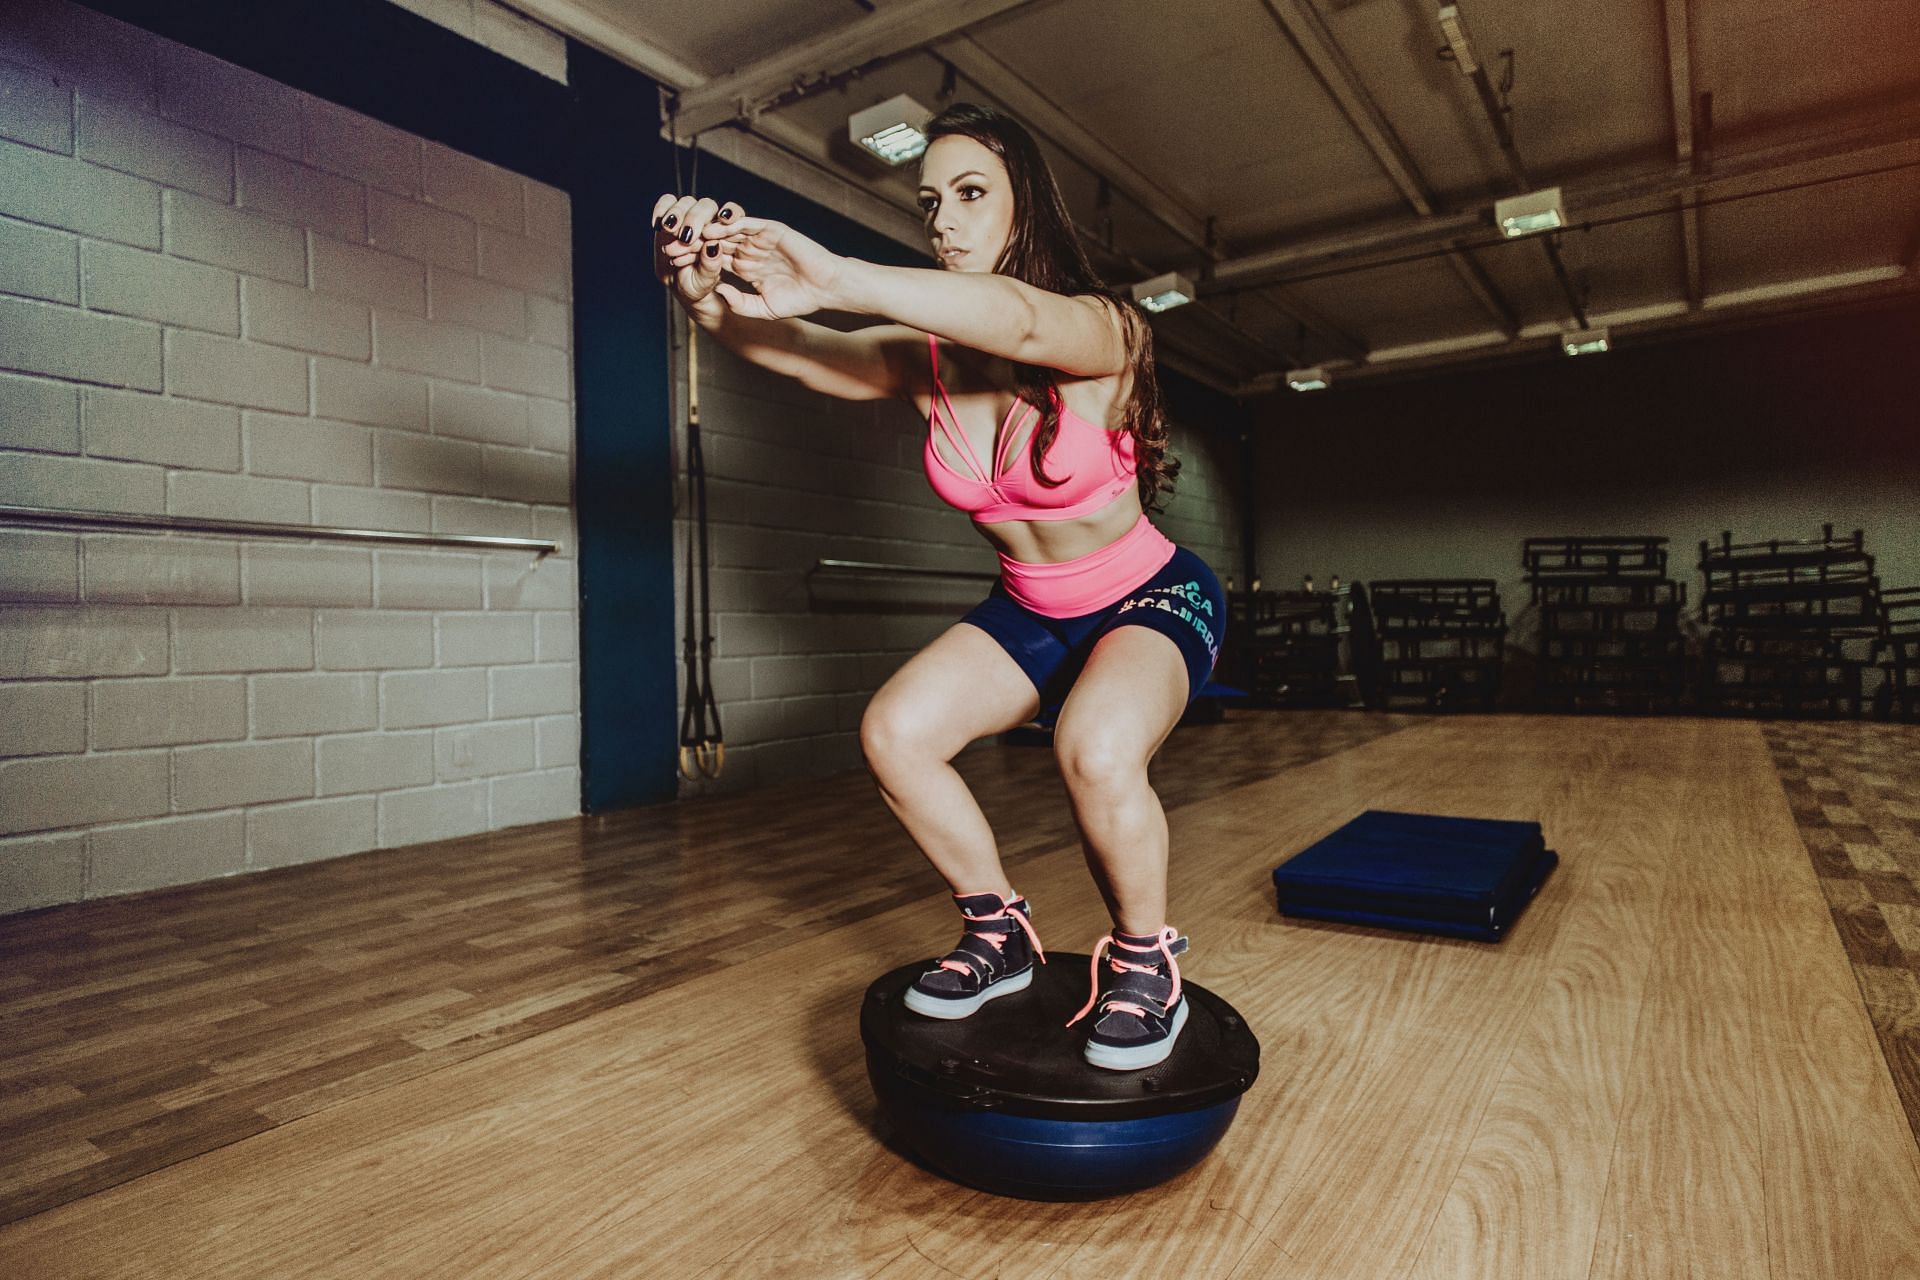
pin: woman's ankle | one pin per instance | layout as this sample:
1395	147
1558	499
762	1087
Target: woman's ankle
1005	893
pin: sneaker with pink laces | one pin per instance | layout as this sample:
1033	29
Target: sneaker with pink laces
1137	993
995	958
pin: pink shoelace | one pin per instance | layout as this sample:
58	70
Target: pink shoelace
998	941
1161	941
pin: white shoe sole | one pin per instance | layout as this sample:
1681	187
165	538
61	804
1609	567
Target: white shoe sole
935	1007
1146	1055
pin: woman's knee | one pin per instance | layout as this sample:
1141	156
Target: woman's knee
893	732
1092	761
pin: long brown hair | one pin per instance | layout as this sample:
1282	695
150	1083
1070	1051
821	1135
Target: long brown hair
1044	250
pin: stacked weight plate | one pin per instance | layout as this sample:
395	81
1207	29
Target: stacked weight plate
1441	641
1609	623
1794	623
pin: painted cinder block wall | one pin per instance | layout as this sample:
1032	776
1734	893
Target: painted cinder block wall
221	297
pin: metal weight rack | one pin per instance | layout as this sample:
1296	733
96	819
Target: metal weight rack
1441	641
1610	633
1898	653
1293	648
1793	624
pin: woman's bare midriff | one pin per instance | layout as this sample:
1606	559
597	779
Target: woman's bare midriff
1056	541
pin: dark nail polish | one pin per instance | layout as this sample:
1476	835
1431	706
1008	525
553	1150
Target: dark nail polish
713	251
726	215
668	222
686	235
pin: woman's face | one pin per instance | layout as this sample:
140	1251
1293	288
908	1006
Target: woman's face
967	201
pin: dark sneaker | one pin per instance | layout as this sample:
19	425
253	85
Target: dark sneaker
994	958
1137	993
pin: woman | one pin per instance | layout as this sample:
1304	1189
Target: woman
1098	623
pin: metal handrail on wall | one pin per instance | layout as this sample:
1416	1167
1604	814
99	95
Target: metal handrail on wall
58	517
889	570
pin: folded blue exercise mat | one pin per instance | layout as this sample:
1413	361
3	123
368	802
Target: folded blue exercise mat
1461	877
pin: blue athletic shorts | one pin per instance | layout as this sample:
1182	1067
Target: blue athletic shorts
1182	601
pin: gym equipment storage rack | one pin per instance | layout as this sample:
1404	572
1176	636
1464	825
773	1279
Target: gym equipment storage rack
1291	646
1793	624
1440	640
1898	653
1610	633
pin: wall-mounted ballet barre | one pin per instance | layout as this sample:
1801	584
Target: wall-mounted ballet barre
906	570
59	517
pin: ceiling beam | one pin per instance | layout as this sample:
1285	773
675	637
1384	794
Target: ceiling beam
742	94
1696	271
574	19
1845	148
1849	294
1305	28
1680	95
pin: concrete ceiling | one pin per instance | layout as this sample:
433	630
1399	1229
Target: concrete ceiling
1328	176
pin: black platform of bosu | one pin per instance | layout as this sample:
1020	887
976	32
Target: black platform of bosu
1003	1101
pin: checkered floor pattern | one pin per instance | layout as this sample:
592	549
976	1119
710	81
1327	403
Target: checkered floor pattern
1855	791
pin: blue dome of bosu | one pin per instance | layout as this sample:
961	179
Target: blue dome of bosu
1003	1100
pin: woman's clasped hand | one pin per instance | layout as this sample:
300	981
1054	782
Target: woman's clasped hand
696	241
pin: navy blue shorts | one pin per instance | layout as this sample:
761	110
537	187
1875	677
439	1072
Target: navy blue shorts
1182	601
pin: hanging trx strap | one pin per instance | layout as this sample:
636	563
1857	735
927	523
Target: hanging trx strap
703	749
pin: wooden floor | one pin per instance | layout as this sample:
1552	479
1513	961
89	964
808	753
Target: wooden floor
627	1045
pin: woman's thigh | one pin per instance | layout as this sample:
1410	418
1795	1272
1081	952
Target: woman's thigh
1136	685
1124	705
961	687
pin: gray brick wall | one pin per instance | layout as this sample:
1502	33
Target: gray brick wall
1204	513
793	478
221	297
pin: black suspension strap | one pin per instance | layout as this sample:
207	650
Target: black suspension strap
703	747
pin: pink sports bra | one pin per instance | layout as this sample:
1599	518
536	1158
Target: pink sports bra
1097	464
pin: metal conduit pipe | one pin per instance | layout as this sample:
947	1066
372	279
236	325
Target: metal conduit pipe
1496	114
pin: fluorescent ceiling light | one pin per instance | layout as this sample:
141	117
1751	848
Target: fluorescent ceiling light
891	129
1164	293
1456	28
1584	342
1530	214
1314	379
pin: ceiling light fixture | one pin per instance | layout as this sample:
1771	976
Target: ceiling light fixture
1456	29
1530	214
892	129
1314	379
1164	293
1584	342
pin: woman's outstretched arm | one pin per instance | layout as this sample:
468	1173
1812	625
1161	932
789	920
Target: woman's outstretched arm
992	313
1080	335
867	364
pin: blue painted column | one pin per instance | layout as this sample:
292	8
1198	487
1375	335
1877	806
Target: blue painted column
624	478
